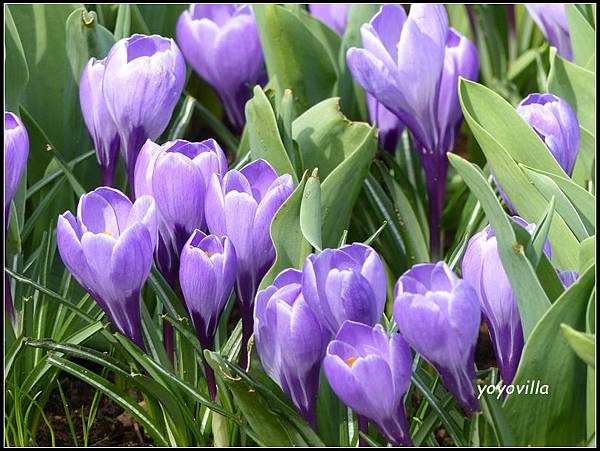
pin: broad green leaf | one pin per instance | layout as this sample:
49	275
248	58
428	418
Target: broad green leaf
16	72
86	38
559	418
340	189
564	207
582	200
295	56
530	296
161	18
13	237
577	86
507	140
587	255
582	34
310	211
584	170
291	248
583	344
123	25
263	134
326	137
535	248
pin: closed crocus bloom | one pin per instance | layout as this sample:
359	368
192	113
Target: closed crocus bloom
16	152
552	20
345	284
390	127
99	123
241	205
334	15
482	268
222	45
438	314
370	372
176	174
108	250
290	341
143	80
411	65
568	278
556	124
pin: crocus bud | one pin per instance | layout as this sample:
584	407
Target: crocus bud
241	205
552	20
99	123
222	45
108	250
334	15
370	372
176	174
438	314
16	152
345	284
411	65
390	127
556	124
143	80
207	274
290	341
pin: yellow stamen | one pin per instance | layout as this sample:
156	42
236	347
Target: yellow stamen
208	254
351	361
108	233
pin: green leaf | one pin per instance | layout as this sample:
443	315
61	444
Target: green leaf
340	189
16	72
531	298
86	38
577	86
564	207
506	140
583	344
582	34
556	418
535	248
291	248
295	56
123	25
310	211
587	255
263	134
161	18
326	137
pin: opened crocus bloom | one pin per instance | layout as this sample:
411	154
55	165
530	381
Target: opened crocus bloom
290	341
143	80
176	174
411	65
241	206
370	372
439	316
108	249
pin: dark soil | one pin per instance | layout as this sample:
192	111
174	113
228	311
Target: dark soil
112	426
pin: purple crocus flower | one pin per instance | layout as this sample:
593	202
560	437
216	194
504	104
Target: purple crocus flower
552	20
438	314
108	250
222	45
568	278
103	130
411	65
143	80
334	15
16	152
345	284
290	341
555	122
241	205
370	372
482	267
207	273
176	174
